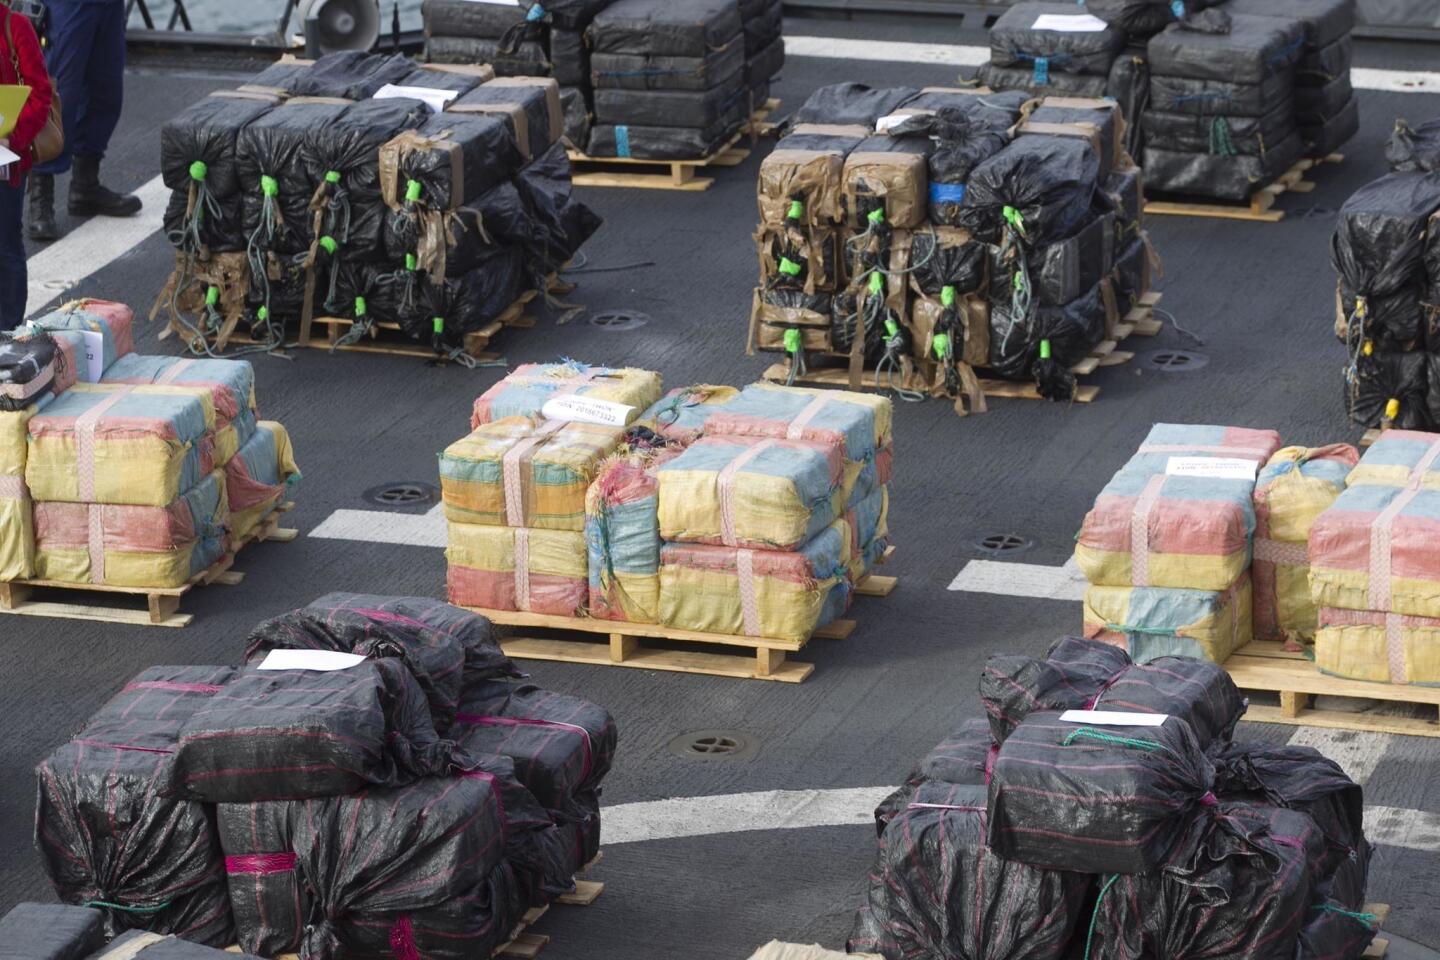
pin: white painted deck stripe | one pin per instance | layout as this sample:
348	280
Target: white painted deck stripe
1357	752
1399	827
378	526
896	51
1035	580
57	269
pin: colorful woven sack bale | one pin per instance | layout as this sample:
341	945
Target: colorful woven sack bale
1151	622
517	568
522	472
1150	529
1294	488
1381	647
1397	458
129	546
260	478
869	520
775	594
524	392
622	539
1374	549
231	384
121	445
682	414
113	321
17	528
752	492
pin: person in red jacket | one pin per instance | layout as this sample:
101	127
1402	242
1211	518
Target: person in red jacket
31	62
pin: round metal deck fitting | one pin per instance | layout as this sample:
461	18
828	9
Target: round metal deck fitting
1003	544
714	745
1175	361
619	321
402	494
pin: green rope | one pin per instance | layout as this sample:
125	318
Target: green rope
1221	141
1371	920
1092	734
1148	631
120	906
1095	914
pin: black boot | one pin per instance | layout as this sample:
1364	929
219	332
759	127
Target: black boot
90	198
42	208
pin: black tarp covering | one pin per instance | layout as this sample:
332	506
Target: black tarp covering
268	895
1095	799
1393	320
677	28
207	131
533	99
941	258
1212	98
1129	86
937	890
1014	42
1103	118
1132	270
380	287
1125	192
1080	674
104	833
712	109
852	104
794	258
999	109
1055	85
466	18
1073	330
1138	18
964	757
1317	104
351	74
1323	21
577	116
764	27
272	146
471	300
1188	133
960	144
465	155
48	931
1325	138
1319	67
1385	375
1253	50
569	57
1066	270
563	222
631	71
1380	236
27	369
1414	149
280	78
1214	175
220	227
762	66
527	59
433	78
567	14
1050	180
293	734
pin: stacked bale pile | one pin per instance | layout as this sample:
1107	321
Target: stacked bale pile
764	26
1372	566
992	848
355	753
1168	544
1386	250
339	188
741	512
974	230
125	470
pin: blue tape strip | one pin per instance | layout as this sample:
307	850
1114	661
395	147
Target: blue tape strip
535	13
1042	71
947	192
1178	8
622	141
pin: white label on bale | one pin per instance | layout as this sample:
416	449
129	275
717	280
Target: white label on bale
432	97
1069	23
94	357
886	124
577	409
1212	468
1114	718
325	660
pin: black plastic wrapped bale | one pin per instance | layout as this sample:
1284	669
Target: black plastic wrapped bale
964	758
1066	270
268	896
793	257
473	299
280	287
1324	22
452	157
1381	376
527	59
806	167
760	68
27	369
48	931
273	178
1214	175
937	889
562	221
438	77
351	74
851	104
889	174
1254	50
576	106
1049	180
1394	321
1124	191
429	880
566	14
677	28
639	71
342	165
1072	118
947	257
151	946
466	18
643	142
1080	674
294	734
996	109
1132	274
365	293
867	308
1319	67
569	57
1240	884
1215	98
279	79
104	833
1138	18
470	235
537	849
1017	41
198	157
713	109
763	27
1221	135
1056	84
1095	799
961	143
1315	105
1325	138
1414	149
1045	343
532	105
1379	239
791	320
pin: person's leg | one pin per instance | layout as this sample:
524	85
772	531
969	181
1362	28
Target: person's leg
67	58
13	275
105	86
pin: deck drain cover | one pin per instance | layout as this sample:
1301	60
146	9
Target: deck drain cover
1003	544
405	493
714	745
1175	361
619	321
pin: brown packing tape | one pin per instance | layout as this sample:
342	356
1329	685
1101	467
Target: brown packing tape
895	297
1079	131
813	174
552	99
901	178
811	244
276	92
1087	103
392	158
483	71
242	94
830	130
518	119
335	101
771	322
968	91
925	313
1112	306
1342	322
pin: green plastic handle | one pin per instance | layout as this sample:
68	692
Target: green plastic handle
892	328
269	186
1014	218
789	267
199	170
412	190
792	341
877	216
410	261
947	296
941	345
212	296
877	282
263	313
797	210
359	306
329	245
332	176
1018	282
1044	349
438	323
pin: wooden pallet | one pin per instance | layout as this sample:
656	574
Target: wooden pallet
163	606
1263	665
1261	207
618	644
524	943
1139	322
668	174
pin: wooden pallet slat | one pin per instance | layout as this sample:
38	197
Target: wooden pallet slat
1259	208
162	604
